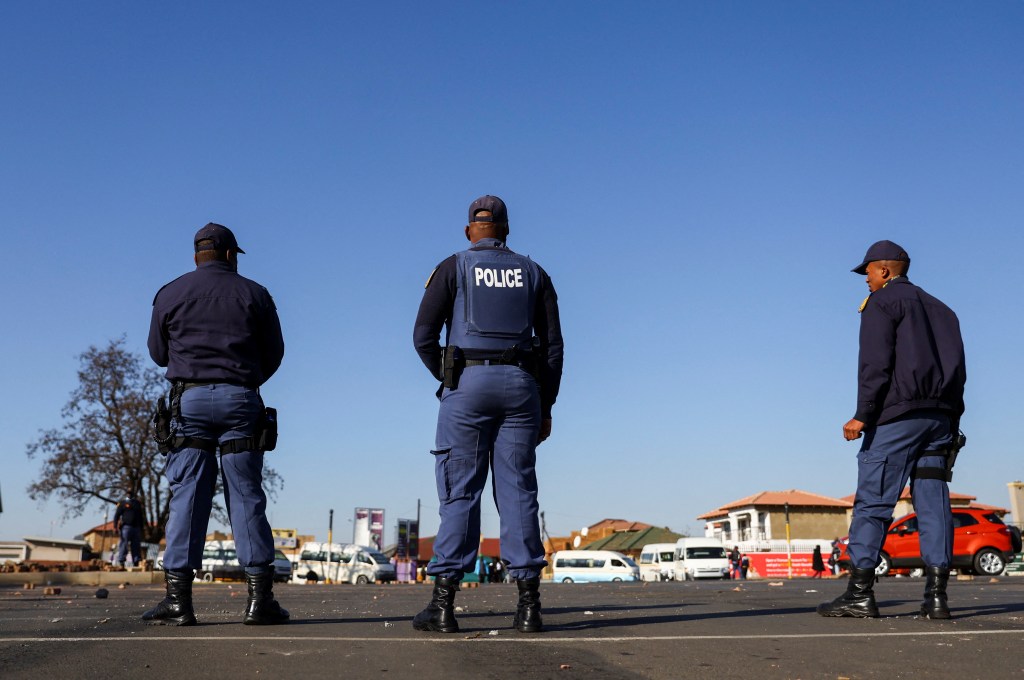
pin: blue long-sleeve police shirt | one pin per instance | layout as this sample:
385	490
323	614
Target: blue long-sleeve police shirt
213	324
436	311
911	355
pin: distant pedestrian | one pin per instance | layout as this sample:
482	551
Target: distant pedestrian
744	566
735	563
833	558
817	563
128	522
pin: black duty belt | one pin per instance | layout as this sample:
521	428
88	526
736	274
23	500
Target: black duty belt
495	362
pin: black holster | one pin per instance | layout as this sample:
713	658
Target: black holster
452	363
162	427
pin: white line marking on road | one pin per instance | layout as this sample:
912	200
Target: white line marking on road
517	639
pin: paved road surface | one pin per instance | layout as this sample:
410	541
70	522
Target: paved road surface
658	630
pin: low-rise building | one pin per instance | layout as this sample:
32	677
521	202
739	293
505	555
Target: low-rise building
762	517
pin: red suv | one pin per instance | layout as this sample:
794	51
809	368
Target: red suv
982	544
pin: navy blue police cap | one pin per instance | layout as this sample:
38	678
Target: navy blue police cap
219	237
494	205
882	250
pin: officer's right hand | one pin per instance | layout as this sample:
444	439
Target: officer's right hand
853	429
545	430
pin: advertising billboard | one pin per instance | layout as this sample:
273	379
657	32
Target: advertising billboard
368	527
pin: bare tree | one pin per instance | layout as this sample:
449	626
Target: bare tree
105	447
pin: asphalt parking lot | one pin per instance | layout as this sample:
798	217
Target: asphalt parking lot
658	630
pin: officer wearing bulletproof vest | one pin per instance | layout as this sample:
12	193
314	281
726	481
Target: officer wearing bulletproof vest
909	403
128	521
219	337
500	373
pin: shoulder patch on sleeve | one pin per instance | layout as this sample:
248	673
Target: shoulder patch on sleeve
431	277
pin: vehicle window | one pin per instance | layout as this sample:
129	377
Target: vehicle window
279	555
647	558
579	563
909	525
363	559
963	519
210	554
230	554
994	518
705	553
630	562
379	558
616	563
309	555
667	556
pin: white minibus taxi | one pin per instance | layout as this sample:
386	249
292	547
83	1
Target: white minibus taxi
700	558
657	562
589	566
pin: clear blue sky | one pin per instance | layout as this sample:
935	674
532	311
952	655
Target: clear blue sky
698	179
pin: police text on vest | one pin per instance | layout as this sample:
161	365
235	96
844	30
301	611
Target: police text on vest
499	278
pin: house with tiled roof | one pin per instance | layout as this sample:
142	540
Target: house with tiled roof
762	517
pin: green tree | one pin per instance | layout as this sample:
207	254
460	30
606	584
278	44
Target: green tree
105	447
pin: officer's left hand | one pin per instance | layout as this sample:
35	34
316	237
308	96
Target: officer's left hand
545	430
853	429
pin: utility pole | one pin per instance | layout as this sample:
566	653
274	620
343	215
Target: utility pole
330	541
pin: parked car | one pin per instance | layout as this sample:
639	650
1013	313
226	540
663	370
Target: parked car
982	544
587	566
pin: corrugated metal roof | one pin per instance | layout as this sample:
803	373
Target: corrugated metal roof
633	541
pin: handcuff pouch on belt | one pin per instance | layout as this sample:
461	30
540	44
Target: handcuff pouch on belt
944	474
167	440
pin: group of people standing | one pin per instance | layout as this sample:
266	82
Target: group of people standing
498	373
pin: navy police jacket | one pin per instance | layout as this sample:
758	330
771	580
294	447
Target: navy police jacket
491	298
911	355
214	325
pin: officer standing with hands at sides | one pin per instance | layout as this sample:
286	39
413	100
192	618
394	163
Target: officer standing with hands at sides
909	403
219	337
128	522
499	372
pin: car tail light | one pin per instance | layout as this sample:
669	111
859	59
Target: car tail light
1005	531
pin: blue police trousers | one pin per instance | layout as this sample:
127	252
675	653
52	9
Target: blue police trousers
130	537
888	455
492	420
221	412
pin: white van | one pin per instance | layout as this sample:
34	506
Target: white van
589	566
348	563
220	561
700	558
657	562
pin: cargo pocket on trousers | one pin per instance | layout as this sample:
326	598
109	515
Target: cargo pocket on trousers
452	475
871	474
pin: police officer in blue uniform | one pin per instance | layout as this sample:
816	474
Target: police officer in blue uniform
128	521
500	374
909	403
219	337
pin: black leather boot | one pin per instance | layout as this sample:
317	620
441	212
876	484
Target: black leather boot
176	608
527	618
262	609
858	600
934	605
439	616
